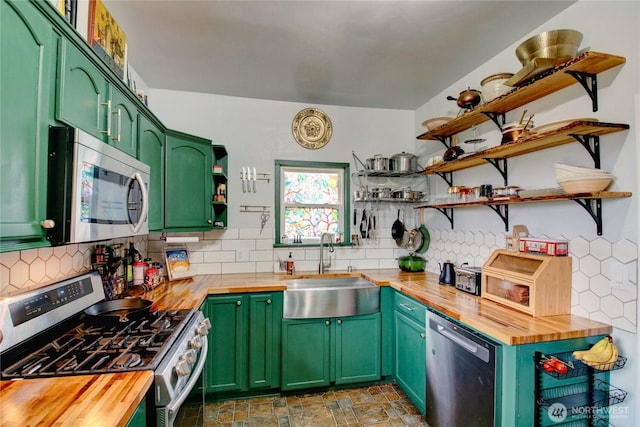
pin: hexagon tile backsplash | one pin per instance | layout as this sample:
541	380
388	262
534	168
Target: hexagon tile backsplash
30	269
596	264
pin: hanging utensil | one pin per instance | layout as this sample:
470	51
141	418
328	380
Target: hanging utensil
397	229
244	185
363	224
255	178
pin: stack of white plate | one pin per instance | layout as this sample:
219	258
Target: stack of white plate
575	179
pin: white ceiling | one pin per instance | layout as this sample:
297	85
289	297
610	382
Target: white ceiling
383	54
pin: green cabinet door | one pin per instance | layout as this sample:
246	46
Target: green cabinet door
410	359
139	417
27	67
83	93
305	353
188	183
358	348
226	355
152	152
123	123
264	332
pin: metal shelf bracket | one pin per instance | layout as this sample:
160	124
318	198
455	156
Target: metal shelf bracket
497	118
592	144
447	176
594	209
503	213
447	212
446	140
501	166
589	82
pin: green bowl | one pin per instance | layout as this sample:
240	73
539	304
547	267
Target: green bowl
412	263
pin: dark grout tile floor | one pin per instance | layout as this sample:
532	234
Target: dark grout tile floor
374	406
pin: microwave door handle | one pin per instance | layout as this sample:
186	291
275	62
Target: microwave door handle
145	202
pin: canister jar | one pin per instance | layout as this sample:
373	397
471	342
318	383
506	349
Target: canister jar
493	86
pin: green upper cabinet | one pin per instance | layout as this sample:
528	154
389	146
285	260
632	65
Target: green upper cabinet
88	101
123	123
27	66
188	183
151	151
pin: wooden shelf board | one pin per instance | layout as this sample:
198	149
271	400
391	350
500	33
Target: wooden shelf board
529	144
542	85
537	199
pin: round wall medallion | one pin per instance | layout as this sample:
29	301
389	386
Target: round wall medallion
312	128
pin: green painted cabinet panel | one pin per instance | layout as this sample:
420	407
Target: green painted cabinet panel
305	353
123	123
226	355
318	352
358	348
83	92
151	141
139	417
27	66
188	183
386	312
410	350
244	342
265	315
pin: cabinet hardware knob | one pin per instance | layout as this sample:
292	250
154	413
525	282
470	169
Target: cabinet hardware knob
47	223
238	303
423	335
339	321
268	301
327	322
209	222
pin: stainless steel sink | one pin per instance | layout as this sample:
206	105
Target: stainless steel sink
330	297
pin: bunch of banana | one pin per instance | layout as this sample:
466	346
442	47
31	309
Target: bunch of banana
601	356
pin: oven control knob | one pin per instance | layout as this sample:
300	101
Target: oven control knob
189	356
203	327
195	342
182	368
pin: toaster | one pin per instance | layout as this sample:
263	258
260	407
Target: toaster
468	279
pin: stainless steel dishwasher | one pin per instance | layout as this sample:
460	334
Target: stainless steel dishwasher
461	375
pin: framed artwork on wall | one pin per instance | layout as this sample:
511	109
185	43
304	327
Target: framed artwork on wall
107	38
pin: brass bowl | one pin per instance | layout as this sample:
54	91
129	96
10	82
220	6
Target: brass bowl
550	44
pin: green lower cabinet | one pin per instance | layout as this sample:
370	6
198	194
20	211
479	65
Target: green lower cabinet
319	352
139	417
244	342
410	361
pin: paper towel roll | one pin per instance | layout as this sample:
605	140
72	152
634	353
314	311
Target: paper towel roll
183	239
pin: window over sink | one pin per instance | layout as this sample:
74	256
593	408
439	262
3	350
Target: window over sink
311	199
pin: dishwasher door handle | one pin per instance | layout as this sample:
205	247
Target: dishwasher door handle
470	346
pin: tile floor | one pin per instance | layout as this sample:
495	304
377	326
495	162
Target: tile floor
381	405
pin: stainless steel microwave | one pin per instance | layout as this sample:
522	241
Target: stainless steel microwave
95	191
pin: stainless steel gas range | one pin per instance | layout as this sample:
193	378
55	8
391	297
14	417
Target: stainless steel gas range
50	332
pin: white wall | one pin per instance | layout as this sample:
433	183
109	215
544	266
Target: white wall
608	27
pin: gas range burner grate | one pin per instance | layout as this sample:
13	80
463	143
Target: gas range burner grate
88	348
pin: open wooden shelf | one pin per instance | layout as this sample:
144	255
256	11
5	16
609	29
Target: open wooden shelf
585	65
529	144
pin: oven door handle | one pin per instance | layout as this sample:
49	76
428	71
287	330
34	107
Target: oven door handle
174	406
145	202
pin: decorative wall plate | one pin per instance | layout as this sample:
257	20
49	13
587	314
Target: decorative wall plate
312	128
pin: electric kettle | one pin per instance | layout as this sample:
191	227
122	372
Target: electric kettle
447	274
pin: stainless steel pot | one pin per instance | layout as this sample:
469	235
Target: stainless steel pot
407	194
404	162
380	193
378	163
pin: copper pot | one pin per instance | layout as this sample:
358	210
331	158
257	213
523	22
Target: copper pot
468	99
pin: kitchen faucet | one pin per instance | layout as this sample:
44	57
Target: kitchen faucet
322	264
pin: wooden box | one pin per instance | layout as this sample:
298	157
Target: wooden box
538	285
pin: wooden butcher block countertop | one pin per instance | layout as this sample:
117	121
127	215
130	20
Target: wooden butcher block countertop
87	400
110	399
499	322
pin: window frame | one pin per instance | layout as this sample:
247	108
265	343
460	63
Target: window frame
279	205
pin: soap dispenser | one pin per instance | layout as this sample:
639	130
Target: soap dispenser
290	266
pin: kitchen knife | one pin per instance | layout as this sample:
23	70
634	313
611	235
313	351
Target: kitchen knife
244	189
255	177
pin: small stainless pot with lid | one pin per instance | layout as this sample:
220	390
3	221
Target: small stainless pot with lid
404	162
379	163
